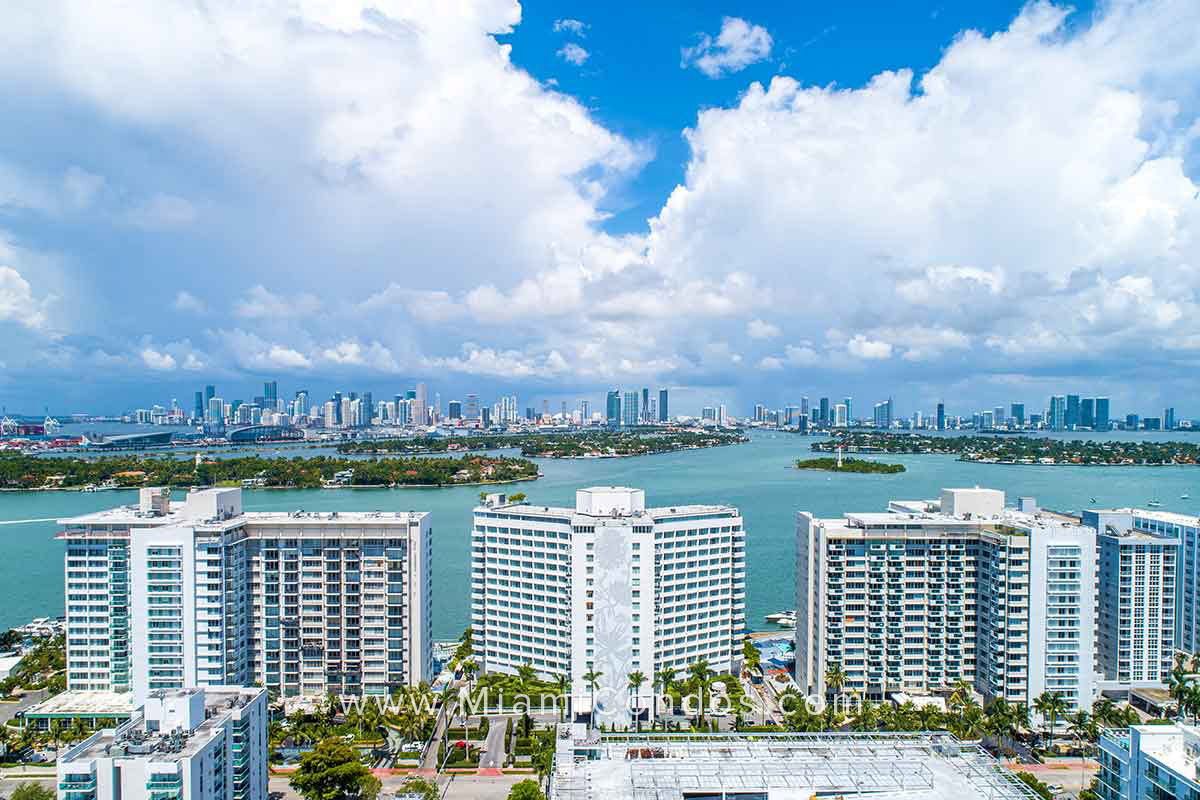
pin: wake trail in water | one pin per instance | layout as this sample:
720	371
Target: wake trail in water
24	521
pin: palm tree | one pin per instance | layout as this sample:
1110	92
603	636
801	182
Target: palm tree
564	691
702	676
525	676
930	717
636	679
543	759
1058	707
1106	713
867	719
57	728
960	696
969	724
835	678
662	682
751	657
1001	720
1083	728
1051	705
591	678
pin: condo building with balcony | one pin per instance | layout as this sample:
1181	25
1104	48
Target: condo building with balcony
166	595
931	593
1149	762
1138	622
609	586
183	744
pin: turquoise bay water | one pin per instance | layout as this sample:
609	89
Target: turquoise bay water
756	477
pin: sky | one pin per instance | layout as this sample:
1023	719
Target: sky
745	202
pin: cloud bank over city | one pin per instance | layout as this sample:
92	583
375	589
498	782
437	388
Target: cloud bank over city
375	193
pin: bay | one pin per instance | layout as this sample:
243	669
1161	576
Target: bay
756	477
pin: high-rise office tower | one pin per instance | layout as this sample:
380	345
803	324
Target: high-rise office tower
216	411
961	589
301	403
420	407
199	593
804	406
629	409
609	585
1058	413
849	403
645	404
1017	412
367	411
1137	623
1102	420
612	408
470	409
1131	422
1087	412
839	415
271	394
585	412
455	411
198	412
210	392
823	412
941	416
1169	419
1072	411
883	414
663	413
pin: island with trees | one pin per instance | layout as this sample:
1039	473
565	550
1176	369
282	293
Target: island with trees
860	466
1019	449
584	444
28	472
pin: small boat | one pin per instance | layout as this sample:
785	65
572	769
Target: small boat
1185	496
1154	504
785	619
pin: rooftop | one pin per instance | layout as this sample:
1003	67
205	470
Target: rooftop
1162	516
603	502
790	766
202	514
141	737
1174	746
78	703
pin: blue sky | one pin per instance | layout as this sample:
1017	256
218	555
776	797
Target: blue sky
978	202
633	82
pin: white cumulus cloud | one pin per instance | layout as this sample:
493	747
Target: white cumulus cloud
737	46
573	54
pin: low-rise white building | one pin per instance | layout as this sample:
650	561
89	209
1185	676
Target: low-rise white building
780	766
609	586
184	744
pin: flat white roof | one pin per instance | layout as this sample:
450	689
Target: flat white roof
785	766
85	703
129	515
560	511
1172	745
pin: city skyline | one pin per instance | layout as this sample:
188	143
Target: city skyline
626	407
599	244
